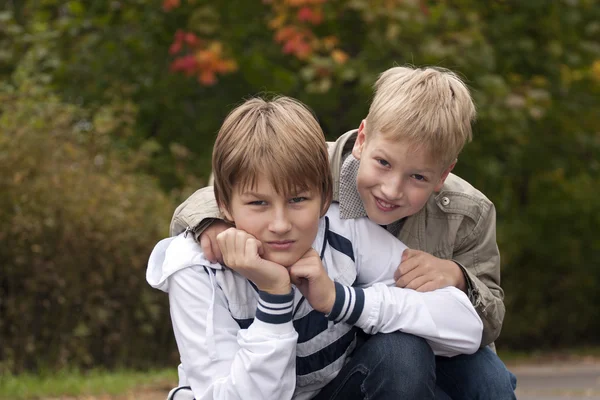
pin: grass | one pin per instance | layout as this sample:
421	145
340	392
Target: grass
75	383
546	356
78	383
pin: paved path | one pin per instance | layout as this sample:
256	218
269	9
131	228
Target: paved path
558	381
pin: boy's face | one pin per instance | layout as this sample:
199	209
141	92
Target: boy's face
285	225
394	181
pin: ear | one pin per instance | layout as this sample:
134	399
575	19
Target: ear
445	174
361	139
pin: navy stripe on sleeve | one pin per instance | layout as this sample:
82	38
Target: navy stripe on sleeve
338	304
349	304
275	308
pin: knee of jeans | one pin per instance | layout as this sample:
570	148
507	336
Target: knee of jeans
404	353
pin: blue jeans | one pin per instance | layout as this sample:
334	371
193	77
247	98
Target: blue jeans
385	366
402	366
475	376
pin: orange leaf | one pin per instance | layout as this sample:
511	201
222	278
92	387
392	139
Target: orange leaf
207	78
339	56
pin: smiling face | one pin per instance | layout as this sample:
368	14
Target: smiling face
394	178
285	224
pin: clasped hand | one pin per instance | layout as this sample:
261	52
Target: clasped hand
242	252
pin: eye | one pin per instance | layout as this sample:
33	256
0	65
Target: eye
257	203
419	177
298	199
383	162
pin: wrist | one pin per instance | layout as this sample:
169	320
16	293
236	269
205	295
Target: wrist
284	288
460	281
330	300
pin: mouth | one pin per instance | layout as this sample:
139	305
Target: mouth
384	206
281	244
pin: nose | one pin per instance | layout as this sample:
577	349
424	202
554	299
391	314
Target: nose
280	223
392	189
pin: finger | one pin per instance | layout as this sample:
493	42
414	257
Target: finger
418	282
408	265
207	248
409	253
251	249
428	287
397	273
405	279
217	252
225	240
240	243
260	248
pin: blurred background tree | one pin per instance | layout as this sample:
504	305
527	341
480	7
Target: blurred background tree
109	110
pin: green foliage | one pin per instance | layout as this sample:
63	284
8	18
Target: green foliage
77	225
91	108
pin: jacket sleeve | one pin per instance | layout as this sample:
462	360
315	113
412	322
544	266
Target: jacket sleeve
445	317
197	212
222	361
479	258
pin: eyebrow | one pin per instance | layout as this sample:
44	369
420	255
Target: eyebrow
425	170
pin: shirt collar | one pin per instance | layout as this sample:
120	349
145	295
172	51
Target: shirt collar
351	205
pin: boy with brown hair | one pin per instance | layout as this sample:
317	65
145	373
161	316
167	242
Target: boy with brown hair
280	317
396	169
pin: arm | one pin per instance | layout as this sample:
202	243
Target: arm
197	212
479	259
220	360
444	317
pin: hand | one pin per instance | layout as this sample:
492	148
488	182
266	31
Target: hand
312	280
423	272
208	241
242	253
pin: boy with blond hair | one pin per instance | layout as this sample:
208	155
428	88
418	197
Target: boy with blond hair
396	170
279	318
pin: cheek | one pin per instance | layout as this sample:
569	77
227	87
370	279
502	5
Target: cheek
419	197
367	177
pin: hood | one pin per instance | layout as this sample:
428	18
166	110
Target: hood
171	255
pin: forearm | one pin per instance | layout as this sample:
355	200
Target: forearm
444	317
263	367
487	298
479	258
196	212
222	361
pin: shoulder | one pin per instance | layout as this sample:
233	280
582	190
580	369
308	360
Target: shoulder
175	256
349	226
459	197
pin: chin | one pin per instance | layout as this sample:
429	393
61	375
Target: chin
287	261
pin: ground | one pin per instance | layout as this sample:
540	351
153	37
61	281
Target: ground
542	380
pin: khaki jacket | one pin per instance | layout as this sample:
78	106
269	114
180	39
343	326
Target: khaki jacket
458	223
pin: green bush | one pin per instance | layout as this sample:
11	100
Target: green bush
77	224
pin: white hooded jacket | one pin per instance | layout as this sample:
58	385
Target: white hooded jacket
238	343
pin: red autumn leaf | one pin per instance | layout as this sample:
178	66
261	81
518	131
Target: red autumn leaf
185	64
168	5
207	78
175	48
191	39
305	14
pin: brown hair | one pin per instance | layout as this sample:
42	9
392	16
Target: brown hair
279	138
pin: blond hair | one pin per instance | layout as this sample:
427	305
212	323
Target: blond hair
279	138
430	108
